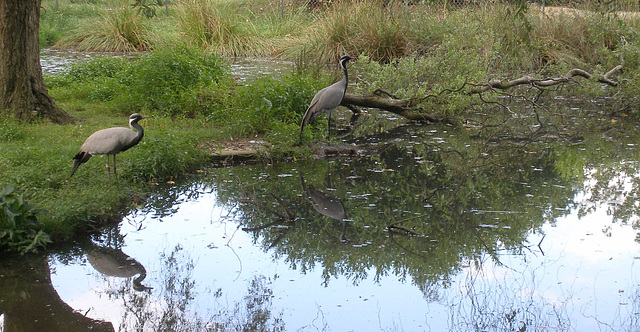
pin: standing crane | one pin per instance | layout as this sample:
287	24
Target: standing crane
110	141
327	99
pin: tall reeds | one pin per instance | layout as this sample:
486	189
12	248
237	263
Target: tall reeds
354	27
216	26
116	29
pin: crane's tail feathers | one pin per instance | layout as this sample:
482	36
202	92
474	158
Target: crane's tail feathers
307	119
79	158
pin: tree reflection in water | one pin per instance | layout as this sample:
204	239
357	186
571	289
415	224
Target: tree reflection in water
172	308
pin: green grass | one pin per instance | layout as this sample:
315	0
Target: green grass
37	160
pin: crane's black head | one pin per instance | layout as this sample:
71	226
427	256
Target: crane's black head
343	61
135	117
345	58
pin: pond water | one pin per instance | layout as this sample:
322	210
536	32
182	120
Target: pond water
55	61
524	224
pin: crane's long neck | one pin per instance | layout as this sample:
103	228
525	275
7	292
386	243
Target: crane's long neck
137	282
345	75
139	132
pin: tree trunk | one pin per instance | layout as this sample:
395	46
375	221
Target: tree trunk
381	100
22	89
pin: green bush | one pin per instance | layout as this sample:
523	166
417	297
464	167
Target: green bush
20	229
267	103
163	156
91	71
169	81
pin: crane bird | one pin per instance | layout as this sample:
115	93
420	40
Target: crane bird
110	141
327	99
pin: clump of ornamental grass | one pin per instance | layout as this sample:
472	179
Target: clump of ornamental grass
584	37
118	29
354	28
217	26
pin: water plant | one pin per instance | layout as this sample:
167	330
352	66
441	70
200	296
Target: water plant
20	229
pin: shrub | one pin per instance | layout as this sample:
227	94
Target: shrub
169	81
162	156
90	71
96	80
266	104
20	229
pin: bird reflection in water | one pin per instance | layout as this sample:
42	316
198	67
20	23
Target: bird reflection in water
115	263
327	205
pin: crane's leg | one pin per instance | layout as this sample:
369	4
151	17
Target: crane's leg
114	167
108	168
329	124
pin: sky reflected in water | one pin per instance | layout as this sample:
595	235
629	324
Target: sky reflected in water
575	273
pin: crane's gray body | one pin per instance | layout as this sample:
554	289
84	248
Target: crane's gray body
110	141
115	263
327	99
325	204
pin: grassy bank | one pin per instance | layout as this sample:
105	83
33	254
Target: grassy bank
185	85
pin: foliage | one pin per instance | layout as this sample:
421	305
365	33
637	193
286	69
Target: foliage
88	73
169	81
267	104
20	229
163	156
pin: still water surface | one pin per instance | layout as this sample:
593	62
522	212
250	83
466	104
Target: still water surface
369	244
523	226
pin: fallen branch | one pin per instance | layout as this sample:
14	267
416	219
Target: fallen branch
541	83
406	107
410	107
